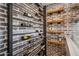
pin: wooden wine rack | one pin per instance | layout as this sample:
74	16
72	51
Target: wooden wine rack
55	45
55	9
56	48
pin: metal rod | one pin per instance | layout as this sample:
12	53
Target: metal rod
44	26
9	28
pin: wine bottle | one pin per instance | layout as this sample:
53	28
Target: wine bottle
26	37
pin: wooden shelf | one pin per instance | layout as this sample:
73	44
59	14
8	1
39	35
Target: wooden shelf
55	31
55	20
75	6
56	42
55	9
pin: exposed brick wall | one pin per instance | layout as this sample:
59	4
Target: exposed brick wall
3	29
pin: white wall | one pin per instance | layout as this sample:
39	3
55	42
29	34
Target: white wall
73	40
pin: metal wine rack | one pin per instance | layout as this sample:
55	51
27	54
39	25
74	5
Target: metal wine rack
16	20
19	46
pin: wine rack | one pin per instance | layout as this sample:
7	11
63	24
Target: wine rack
26	23
38	30
27	29
55	31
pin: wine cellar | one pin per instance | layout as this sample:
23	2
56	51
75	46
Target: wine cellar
39	29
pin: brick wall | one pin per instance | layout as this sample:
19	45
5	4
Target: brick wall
3	29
